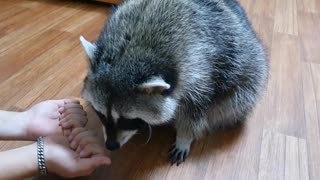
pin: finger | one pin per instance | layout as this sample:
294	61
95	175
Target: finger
86	139
82	135
91	142
76	111
73	105
86	152
66	132
89	145
65	107
59	130
78	149
82	119
68	101
75	132
89	139
91	149
72	116
61	110
62	102
75	142
88	165
70	124
101	160
73	123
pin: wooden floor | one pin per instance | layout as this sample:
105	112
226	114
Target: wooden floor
41	58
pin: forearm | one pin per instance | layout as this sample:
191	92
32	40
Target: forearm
19	163
12	126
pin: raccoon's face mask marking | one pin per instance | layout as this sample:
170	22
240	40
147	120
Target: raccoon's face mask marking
120	130
135	103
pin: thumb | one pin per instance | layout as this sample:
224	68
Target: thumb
87	165
93	162
101	160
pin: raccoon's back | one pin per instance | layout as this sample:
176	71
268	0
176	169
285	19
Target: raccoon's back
238	57
210	38
170	25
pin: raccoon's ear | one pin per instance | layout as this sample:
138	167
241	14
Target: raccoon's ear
155	85
89	47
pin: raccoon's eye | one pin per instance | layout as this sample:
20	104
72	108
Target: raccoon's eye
130	124
102	118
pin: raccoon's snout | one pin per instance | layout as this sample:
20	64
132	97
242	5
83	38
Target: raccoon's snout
112	145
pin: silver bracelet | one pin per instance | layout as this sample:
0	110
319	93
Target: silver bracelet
41	160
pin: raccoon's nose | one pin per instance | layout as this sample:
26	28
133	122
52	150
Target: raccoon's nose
112	145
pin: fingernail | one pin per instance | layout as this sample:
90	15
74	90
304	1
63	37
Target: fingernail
61	109
63	125
106	161
73	144
78	150
82	154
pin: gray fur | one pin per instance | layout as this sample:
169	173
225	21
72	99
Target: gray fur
206	50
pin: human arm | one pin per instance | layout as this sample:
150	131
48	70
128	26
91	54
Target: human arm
41	120
12	125
60	159
19	163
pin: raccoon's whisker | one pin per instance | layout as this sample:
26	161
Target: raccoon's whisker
150	134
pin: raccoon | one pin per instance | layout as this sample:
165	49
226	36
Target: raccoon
197	64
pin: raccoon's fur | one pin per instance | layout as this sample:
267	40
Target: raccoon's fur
197	63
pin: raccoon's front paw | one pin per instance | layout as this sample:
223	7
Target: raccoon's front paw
178	154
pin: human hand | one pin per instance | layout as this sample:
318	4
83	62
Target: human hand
43	118
85	142
60	159
63	161
72	116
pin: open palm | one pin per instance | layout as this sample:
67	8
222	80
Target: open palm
64	161
43	118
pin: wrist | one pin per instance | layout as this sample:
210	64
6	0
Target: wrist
19	163
48	153
13	125
32	165
25	133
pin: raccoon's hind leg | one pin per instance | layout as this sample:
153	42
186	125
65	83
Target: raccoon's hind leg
188	130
